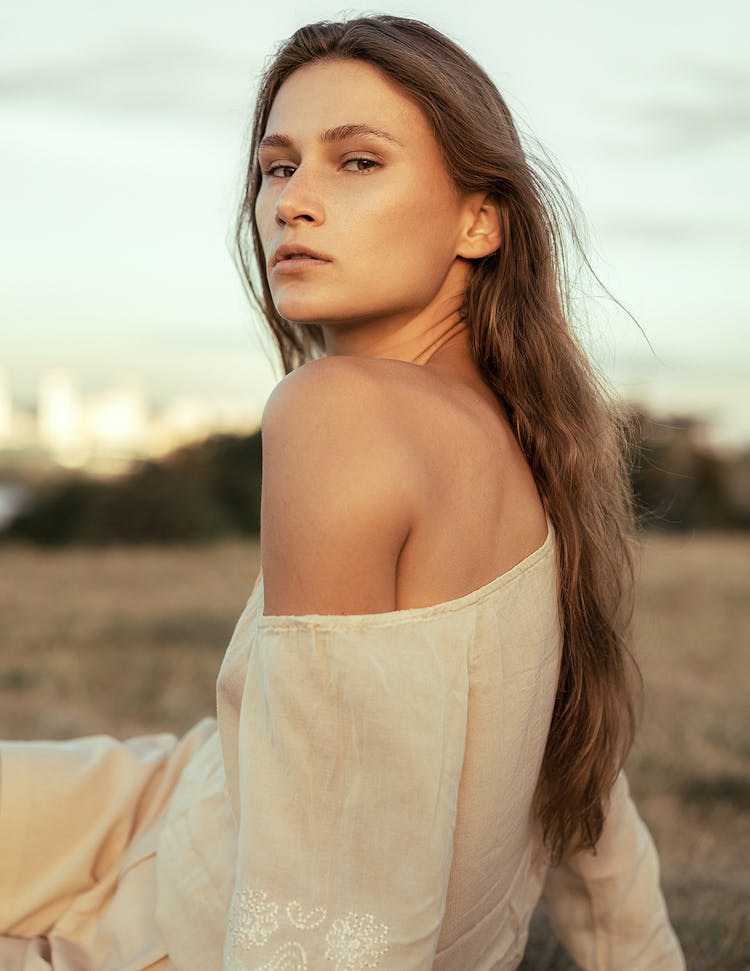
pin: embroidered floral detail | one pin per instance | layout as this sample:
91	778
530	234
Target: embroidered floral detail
304	922
252	919
289	957
356	941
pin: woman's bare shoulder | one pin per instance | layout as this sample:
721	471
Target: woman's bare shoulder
361	485
342	398
329	380
340	489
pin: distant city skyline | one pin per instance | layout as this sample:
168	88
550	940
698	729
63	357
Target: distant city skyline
122	130
107	431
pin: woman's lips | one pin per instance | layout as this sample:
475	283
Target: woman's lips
295	257
297	264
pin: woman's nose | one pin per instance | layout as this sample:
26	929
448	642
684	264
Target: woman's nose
299	201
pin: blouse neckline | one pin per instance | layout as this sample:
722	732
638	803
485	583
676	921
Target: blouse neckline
390	617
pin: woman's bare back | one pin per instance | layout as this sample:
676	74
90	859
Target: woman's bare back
480	512
389	485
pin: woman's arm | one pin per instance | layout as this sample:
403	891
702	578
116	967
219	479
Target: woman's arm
607	907
351	735
339	491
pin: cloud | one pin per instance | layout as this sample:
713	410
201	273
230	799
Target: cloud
142	74
692	107
641	226
708	104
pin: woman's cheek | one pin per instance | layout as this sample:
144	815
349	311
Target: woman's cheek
264	208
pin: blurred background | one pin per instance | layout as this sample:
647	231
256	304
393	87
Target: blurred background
133	371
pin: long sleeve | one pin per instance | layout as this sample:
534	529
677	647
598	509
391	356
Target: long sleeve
351	743
608	907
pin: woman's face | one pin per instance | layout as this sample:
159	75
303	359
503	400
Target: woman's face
355	186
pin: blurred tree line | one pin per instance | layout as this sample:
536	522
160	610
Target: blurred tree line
211	490
681	481
203	491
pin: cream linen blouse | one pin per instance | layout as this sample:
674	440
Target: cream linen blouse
366	802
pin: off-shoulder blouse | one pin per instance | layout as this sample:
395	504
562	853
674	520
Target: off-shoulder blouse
367	799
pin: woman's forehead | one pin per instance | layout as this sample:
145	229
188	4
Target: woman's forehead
329	94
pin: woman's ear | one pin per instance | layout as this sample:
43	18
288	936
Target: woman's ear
482	230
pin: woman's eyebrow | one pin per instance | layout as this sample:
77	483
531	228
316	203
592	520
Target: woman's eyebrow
338	134
353	131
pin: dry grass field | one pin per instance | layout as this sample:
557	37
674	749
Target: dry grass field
128	641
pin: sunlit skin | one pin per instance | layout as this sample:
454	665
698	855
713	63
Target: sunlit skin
365	235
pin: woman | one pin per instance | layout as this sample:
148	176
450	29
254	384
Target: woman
426	705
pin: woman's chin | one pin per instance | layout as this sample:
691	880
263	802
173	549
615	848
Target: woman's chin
295	310
301	318
310	311
303	311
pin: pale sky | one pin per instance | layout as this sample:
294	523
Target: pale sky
121	152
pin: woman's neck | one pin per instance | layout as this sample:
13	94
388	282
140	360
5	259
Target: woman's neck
412	345
437	331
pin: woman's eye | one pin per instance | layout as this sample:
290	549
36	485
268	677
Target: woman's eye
281	171
360	164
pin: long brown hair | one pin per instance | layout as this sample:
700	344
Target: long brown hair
517	306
